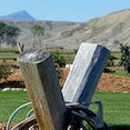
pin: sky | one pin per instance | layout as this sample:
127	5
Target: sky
64	10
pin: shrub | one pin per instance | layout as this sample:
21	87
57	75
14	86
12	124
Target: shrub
4	71
110	63
125	57
59	59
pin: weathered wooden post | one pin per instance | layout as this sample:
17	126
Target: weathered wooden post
87	68
43	87
20	47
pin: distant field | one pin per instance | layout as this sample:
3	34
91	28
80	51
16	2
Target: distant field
8	52
117	56
68	55
117	68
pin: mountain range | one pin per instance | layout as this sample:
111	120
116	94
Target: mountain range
110	30
20	15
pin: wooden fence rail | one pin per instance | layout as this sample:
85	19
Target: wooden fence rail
4	57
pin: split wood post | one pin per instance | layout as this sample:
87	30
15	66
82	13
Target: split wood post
20	47
43	87
85	73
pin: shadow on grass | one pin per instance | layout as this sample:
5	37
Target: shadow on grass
12	84
122	127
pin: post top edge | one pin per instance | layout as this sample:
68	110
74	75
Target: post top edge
94	45
33	55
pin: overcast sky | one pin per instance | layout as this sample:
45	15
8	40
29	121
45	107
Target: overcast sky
64	10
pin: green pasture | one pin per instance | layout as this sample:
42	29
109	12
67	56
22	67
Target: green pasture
67	55
9	101
12	52
119	71
116	107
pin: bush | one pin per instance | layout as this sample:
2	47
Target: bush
59	59
110	63
125	57
4	71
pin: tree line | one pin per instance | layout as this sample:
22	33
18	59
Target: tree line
9	33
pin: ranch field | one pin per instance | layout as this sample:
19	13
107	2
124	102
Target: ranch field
112	90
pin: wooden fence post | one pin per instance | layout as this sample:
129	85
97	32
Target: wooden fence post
85	73
20	47
43	87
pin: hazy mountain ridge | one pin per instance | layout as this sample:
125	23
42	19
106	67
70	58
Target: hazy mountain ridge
20	15
110	30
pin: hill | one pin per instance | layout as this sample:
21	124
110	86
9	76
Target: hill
110	30
20	15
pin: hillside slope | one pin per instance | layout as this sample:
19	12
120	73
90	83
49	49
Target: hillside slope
110	30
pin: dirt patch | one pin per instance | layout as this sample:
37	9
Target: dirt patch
115	83
14	80
2	126
108	82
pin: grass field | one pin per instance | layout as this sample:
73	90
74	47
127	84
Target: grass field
9	101
8	52
116	107
119	71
